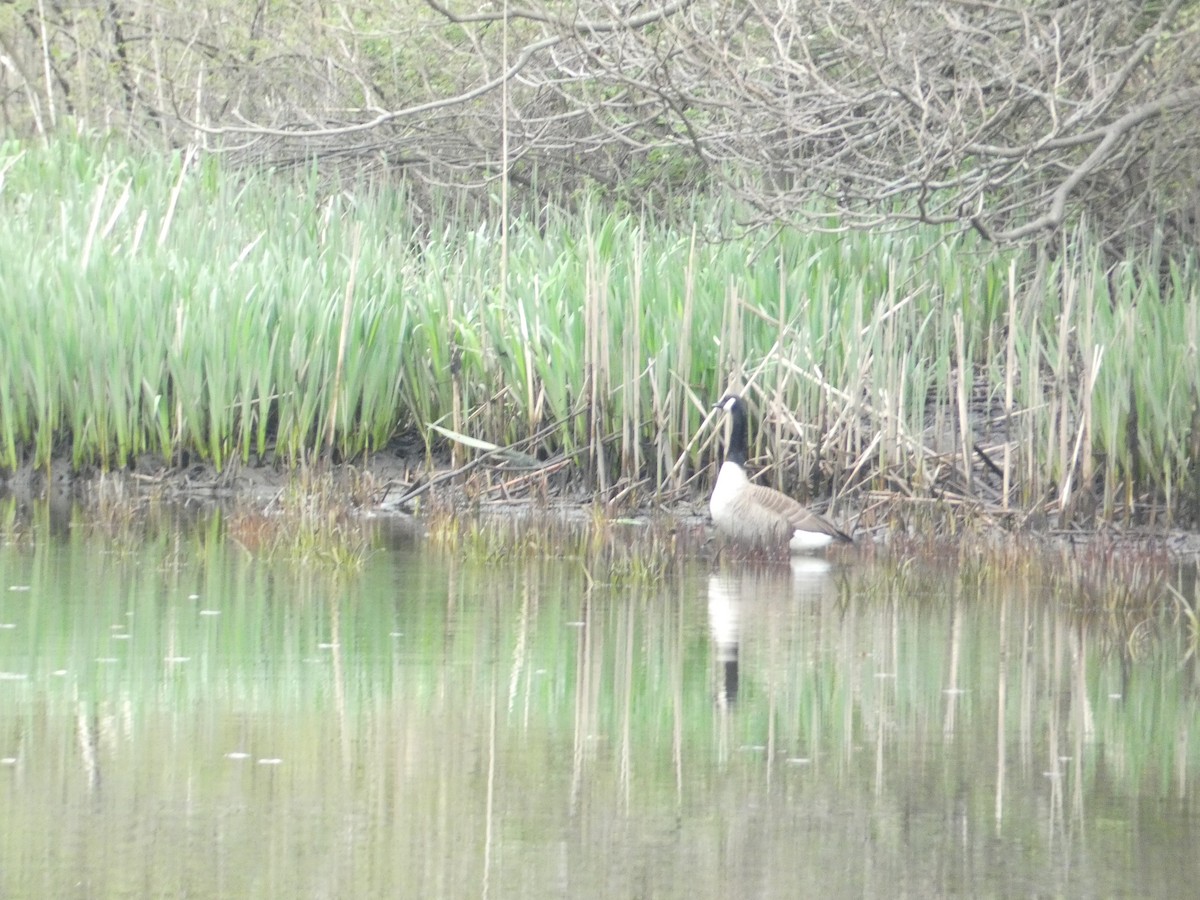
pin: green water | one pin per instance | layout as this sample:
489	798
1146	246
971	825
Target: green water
178	718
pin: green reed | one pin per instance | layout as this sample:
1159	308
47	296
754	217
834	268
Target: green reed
167	306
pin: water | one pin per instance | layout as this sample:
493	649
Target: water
178	718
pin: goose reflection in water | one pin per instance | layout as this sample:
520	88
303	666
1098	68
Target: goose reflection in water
733	593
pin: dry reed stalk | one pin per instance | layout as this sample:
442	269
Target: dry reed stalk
1062	404
678	411
604	395
593	366
343	337
662	443
1010	374
455	363
173	203
963	392
47	69
1091	373
531	404
631	457
777	398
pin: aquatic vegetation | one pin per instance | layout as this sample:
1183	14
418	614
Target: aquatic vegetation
16	529
315	520
608	550
1188	610
163	306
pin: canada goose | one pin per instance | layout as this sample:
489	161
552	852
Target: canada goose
756	515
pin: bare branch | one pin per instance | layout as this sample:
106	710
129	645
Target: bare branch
1009	116
1109	136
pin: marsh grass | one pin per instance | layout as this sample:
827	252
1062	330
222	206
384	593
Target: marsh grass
1187	608
126	516
607	550
161	305
1130	598
17	527
315	520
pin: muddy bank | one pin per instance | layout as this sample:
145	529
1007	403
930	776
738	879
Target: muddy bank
390	475
391	482
406	485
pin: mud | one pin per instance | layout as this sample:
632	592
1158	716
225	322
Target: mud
401	484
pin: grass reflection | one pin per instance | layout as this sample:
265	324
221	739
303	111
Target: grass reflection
179	716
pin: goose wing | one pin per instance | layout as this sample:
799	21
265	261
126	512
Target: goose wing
795	515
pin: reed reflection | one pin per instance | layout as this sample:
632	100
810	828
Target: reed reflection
512	727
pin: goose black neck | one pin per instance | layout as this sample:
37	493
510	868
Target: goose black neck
737	449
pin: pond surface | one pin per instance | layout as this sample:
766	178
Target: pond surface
179	718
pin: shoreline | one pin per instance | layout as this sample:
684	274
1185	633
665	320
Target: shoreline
391	484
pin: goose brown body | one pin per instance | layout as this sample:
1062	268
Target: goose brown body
760	516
